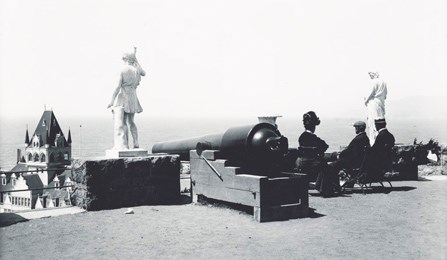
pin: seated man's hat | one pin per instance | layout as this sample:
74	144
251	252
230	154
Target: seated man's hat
359	124
380	121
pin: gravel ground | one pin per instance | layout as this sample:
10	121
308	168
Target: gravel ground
407	223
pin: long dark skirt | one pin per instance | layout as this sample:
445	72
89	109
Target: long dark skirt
326	179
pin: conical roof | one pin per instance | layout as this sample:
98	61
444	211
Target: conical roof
48	128
26	136
69	137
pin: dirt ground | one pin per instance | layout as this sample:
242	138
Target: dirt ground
407	223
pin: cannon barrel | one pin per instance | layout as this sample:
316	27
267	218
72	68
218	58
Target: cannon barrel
183	146
250	145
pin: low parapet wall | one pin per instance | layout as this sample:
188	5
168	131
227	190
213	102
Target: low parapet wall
125	182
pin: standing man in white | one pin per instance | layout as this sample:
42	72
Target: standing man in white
375	104
125	102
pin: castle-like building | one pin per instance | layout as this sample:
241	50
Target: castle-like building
48	147
42	163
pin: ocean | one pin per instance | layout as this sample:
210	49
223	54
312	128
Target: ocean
92	136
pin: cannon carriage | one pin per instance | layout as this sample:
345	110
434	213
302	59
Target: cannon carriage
244	165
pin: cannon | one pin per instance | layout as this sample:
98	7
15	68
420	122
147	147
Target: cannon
244	166
253	147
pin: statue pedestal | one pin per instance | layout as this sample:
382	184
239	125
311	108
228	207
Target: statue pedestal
268	119
126	153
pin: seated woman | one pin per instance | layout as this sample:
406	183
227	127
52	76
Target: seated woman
311	158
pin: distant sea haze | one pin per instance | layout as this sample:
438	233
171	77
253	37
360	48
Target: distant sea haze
92	136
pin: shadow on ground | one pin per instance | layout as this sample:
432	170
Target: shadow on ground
7	219
313	214
379	189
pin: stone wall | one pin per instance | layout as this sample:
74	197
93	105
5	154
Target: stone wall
125	182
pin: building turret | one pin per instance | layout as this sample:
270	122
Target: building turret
69	137
27	136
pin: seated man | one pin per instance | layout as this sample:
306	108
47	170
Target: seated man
380	156
353	156
310	160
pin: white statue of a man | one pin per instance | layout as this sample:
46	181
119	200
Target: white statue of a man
125	102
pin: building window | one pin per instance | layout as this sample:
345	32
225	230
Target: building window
42	158
51	158
66	156
59	140
44	122
36	141
36	157
30	157
4	181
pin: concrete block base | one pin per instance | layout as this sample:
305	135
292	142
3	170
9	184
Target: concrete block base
126	153
125	182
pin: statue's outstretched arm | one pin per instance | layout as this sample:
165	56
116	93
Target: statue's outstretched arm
137	65
140	69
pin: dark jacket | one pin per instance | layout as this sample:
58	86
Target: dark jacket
380	155
310	161
311	145
354	154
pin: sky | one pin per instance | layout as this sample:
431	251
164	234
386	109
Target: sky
221	58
